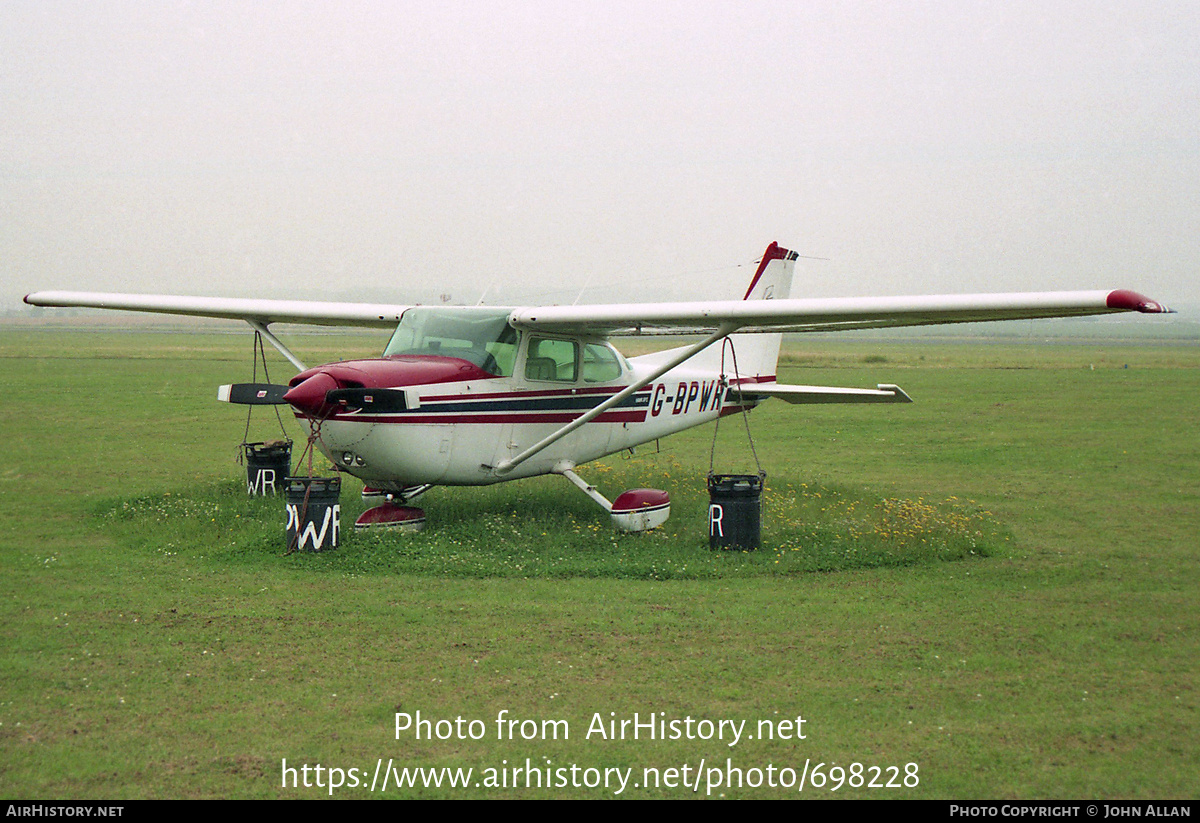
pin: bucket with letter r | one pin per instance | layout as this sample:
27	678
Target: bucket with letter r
267	466
314	515
735	511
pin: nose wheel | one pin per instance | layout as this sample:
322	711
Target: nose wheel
392	516
392	513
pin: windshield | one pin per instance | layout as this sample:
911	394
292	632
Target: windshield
480	336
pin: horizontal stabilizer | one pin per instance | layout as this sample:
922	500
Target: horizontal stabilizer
252	394
883	393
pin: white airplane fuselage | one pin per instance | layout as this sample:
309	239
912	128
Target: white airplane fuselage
457	433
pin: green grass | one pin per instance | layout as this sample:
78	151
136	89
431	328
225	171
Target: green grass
532	531
149	653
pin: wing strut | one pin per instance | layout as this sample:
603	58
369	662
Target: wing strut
261	328
726	329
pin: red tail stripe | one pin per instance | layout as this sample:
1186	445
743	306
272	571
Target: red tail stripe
773	252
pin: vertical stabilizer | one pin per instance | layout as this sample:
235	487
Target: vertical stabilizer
757	354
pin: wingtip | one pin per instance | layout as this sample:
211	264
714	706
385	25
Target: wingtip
1125	300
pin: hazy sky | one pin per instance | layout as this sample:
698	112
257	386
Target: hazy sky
647	148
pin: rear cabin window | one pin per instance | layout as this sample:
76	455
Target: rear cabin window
600	364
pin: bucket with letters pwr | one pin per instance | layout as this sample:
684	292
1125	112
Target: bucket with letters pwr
313	513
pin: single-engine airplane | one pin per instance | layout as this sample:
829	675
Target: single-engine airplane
465	396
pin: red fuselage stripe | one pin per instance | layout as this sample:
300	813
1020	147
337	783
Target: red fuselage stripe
521	394
635	416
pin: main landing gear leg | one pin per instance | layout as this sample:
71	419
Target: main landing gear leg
637	510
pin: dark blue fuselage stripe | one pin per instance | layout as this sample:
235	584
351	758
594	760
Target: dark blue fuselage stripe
533	404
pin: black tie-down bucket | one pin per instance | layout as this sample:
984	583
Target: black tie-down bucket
314	515
735	511
267	466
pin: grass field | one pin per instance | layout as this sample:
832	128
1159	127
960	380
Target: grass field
157	642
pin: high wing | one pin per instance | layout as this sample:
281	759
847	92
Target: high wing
258	313
831	314
379	315
790	315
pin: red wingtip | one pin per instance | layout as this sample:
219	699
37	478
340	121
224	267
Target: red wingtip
1125	300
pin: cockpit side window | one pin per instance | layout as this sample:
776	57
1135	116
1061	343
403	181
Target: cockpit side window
551	359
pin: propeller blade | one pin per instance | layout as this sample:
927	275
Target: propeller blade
373	400
252	394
